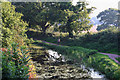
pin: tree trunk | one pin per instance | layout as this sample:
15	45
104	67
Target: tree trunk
70	34
44	30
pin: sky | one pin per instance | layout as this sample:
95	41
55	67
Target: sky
101	5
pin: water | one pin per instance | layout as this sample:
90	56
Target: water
54	56
95	74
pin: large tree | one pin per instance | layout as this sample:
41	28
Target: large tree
76	18
42	15
108	18
45	14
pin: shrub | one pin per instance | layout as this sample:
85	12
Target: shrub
15	62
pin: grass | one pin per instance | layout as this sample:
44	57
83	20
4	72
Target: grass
37	47
106	66
113	51
118	59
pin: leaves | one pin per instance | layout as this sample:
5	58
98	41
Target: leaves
13	27
76	18
15	63
64	13
108	18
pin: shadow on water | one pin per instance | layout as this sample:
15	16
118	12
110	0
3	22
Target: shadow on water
51	65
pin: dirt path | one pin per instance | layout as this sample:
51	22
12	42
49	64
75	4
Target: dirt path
112	56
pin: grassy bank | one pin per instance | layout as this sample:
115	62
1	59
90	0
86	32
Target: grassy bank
88	57
103	41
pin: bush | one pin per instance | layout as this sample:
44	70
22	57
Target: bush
15	62
105	40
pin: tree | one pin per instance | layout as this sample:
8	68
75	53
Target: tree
13	28
73	18
76	18
108	18
46	14
40	14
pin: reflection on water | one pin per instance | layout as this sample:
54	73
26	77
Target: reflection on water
95	74
54	56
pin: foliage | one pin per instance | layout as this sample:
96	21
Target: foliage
108	18
76	19
105	40
15	57
13	28
47	36
43	15
15	62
